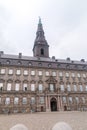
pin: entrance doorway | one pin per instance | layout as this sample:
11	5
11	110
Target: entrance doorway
53	104
65	108
42	109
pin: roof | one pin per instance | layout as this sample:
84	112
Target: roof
19	60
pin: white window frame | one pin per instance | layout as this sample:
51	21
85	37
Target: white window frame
83	99
17	86
40	87
7	100
32	72
77	99
0	100
24	100
40	73
64	99
32	100
16	100
68	88
33	87
9	86
67	74
62	87
51	87
78	75
25	85
1	86
81	88
75	88
25	72
73	75
86	88
60	74
84	75
10	71
41	100
47	73
18	72
2	71
53	73
70	100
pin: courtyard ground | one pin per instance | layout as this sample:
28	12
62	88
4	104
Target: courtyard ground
45	121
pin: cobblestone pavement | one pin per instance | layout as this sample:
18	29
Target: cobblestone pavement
45	121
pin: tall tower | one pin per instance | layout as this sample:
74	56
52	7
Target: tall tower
41	47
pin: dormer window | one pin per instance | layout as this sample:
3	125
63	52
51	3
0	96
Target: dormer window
8	62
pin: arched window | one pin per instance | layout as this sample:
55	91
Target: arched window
42	51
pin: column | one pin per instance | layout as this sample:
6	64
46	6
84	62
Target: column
58	104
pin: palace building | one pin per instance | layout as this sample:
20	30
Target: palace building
41	83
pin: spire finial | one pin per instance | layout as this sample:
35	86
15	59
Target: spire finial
39	20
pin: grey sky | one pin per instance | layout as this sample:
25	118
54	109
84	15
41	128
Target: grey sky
64	23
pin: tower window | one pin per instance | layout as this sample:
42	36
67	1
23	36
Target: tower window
42	51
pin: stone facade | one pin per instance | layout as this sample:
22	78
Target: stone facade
40	83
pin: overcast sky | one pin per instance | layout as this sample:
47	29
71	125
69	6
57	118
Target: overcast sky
64	23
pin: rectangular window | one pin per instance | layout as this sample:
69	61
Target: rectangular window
17	85
32	87
1	86
18	72
16	100
62	87
73	75
81	88
25	72
68	88
40	87
7	101
24	101
32	72
78	75
0	100
47	73
25	87
2	71
84	75
10	72
77	99
40	73
53	73
75	88
67	74
8	86
85	88
70	99
41	100
60	74
32	100
51	87
83	99
64	99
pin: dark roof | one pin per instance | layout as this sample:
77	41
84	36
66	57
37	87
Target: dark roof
19	60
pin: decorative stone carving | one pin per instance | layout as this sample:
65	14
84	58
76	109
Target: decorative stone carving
51	80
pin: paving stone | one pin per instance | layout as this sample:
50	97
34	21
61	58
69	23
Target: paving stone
61	126
19	127
45	120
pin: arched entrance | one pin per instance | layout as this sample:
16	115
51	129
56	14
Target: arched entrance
53	104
